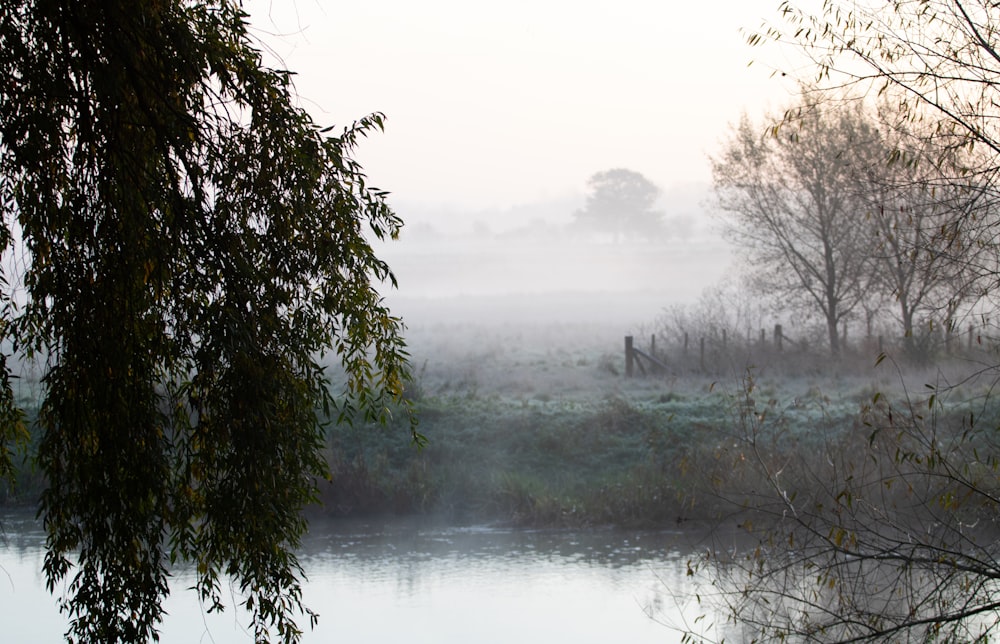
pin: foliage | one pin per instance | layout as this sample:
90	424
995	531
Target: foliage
540	463
195	245
937	60
842	208
621	202
648	456
887	531
894	537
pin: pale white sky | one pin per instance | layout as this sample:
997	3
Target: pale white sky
494	105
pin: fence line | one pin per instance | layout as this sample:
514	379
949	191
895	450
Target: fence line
666	357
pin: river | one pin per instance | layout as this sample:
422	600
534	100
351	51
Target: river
416	582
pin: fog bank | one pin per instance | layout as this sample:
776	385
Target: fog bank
502	280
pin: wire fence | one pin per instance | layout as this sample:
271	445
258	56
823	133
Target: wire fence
720	351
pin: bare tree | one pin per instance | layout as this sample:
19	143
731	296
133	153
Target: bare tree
793	207
726	315
924	246
887	529
938	60
938	63
881	531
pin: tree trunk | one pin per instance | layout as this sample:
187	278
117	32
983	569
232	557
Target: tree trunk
831	327
910	345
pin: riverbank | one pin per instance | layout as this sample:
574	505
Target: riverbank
538	426
642	456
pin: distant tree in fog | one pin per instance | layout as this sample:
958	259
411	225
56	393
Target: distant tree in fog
793	208
621	202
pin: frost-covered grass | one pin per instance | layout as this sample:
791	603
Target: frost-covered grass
539	426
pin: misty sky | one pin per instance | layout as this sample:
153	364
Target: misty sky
495	105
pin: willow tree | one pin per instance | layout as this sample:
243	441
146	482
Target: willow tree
194	246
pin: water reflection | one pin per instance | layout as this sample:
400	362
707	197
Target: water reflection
421	541
416	582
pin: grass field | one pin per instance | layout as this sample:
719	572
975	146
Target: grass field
537	425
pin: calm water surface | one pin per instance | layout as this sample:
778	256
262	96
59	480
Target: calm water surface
414	582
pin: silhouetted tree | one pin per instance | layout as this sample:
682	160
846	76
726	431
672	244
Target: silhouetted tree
924	249
621	202
794	210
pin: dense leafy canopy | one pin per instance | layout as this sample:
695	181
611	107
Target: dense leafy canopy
194	245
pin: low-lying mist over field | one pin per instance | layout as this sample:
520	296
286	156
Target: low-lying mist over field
529	266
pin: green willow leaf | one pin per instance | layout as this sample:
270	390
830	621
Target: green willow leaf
194	245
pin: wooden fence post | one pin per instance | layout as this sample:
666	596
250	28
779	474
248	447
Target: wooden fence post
763	337
652	345
685	344
777	337
628	356
970	337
